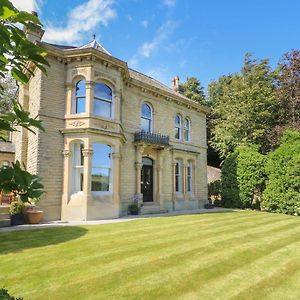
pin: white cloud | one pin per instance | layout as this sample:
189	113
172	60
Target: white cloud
169	3
27	5
148	48
145	23
82	19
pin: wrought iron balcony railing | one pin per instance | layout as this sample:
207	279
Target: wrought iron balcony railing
151	138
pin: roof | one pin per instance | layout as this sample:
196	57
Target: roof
95	45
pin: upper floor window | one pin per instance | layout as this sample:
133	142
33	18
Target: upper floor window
103	100
178	176
187	130
80	96
178	127
77	168
146	118
101	168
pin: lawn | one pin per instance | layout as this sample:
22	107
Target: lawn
234	255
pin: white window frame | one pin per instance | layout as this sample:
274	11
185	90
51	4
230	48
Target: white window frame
151	116
77	172
75	98
189	175
178	177
110	174
187	128
178	128
111	102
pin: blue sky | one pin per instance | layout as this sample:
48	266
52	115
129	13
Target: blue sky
164	38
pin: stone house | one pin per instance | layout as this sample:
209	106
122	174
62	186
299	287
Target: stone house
113	136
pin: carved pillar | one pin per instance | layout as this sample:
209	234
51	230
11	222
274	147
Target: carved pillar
66	183
159	175
69	98
116	177
89	106
87	154
138	167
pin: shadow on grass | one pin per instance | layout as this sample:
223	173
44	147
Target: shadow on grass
15	241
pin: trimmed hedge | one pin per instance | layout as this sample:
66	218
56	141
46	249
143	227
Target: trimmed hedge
243	178
282	193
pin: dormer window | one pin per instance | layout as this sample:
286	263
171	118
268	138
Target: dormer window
146	118
103	100
80	97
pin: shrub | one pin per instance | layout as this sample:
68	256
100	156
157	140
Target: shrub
4	295
282	193
243	178
214	192
16	207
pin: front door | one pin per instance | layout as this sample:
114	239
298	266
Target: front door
147	180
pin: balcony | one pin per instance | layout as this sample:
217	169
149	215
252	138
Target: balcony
151	138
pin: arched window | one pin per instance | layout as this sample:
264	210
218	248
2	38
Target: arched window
101	168
146	118
178	127
178	176
189	175
103	100
187	130
77	167
80	96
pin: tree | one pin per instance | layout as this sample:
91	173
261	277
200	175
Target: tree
282	193
244	107
17	53
289	90
192	89
9	94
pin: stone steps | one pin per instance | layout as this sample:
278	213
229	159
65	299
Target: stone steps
152	209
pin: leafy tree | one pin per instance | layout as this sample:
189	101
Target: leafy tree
244	107
192	89
282	193
8	95
243	178
16	55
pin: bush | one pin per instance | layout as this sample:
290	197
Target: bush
16	207
214	192
282	193
243	178
4	295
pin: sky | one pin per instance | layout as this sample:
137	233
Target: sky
165	38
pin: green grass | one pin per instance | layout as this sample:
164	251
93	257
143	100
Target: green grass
236	255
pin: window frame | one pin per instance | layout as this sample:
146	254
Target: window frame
76	98
104	100
77	168
103	167
189	177
187	128
150	120
178	128
178	177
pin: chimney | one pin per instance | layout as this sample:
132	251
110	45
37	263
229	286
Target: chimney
175	83
35	32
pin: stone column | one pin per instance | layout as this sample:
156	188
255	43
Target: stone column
89	105
66	183
159	169
87	175
69	98
138	167
117	106
116	177
173	184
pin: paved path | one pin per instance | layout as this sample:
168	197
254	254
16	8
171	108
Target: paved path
110	221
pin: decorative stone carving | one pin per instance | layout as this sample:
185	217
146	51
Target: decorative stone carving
87	152
66	153
76	123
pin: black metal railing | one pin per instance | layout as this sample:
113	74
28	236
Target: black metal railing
151	138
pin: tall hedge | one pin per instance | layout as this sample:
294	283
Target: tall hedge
282	193
243	178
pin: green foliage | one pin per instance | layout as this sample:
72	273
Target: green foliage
243	178
214	188
16	207
192	89
243	107
4	295
282	193
134	207
8	95
16	51
20	182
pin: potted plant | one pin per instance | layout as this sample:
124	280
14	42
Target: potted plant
33	214
16	213
133	209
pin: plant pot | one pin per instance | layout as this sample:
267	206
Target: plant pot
34	217
17	219
134	212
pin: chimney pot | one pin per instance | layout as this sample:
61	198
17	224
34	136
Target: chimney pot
175	83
